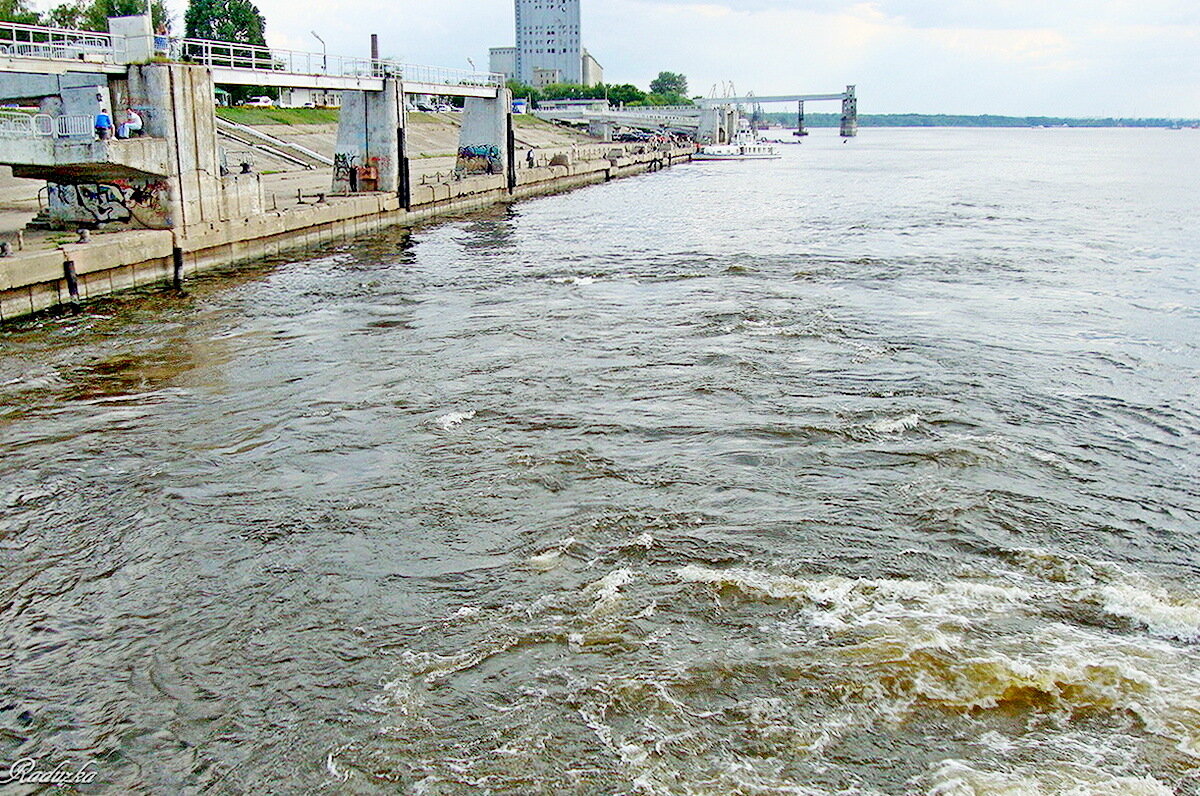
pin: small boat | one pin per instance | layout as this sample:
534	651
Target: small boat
746	145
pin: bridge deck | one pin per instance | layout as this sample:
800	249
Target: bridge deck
46	50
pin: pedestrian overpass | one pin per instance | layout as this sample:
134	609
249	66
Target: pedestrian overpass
172	175
712	120
46	50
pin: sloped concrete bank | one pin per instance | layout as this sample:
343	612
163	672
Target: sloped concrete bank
34	281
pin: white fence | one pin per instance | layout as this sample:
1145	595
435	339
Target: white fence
37	41
75	126
254	58
15	124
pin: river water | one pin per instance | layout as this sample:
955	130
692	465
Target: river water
875	470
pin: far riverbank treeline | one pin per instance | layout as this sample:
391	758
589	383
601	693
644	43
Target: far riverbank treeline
985	120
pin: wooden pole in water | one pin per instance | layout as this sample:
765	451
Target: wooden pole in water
177	268
511	144
72	280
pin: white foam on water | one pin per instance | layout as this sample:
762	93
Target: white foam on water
608	590
546	561
334	771
1163	615
644	541
958	778
909	644
896	425
452	420
846	601
549	559
689	705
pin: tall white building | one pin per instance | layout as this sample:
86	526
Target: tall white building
503	60
593	72
548	42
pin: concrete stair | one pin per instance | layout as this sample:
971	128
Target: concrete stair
276	148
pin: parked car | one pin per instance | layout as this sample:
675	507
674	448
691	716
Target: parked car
309	105
258	102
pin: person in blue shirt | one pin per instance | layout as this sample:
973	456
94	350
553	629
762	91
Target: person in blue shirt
104	125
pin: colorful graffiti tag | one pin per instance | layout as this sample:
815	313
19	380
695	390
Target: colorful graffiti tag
343	166
480	159
135	203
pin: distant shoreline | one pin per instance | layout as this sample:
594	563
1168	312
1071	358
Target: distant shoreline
824	120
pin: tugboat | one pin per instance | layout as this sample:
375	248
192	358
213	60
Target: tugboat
746	145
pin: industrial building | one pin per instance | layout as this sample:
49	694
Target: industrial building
548	47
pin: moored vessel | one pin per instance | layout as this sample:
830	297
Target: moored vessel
746	145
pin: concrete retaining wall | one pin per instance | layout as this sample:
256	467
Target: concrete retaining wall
31	282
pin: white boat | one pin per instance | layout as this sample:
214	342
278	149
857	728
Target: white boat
746	145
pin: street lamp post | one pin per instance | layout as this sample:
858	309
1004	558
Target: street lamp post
324	53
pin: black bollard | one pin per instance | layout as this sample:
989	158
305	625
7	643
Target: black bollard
177	268
72	280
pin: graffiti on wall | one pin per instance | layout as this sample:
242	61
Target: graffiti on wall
343	166
139	204
480	159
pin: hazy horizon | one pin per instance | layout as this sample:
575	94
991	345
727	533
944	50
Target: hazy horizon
1021	58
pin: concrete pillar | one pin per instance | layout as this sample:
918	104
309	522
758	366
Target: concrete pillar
483	141
800	131
176	103
849	113
371	146
601	130
133	38
168	179
709	131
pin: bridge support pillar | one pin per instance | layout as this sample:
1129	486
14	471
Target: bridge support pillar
168	178
371	151
176	102
483	142
711	126
849	113
602	130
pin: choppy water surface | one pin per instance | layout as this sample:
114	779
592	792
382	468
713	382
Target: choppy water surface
873	471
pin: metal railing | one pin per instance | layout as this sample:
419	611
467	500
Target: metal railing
40	41
75	126
16	124
255	58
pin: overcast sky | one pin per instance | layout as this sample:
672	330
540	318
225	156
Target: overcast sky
1054	57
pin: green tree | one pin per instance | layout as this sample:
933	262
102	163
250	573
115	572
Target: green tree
669	83
664	99
237	21
225	20
521	91
18	11
625	94
94	14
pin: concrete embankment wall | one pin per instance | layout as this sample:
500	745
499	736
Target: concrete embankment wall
31	282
